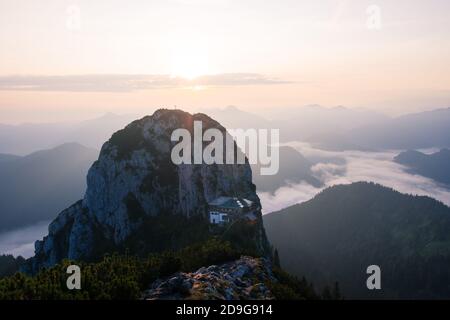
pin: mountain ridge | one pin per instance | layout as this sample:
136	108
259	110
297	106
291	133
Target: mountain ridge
50	179
428	129
344	229
435	166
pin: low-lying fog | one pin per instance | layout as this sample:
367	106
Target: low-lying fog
330	167
351	166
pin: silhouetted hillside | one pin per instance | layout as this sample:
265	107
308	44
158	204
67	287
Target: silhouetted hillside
26	138
294	168
435	166
346	228
33	188
4	157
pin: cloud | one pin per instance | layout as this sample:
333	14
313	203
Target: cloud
129	82
20	242
356	166
287	196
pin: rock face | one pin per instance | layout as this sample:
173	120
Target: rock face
244	279
134	179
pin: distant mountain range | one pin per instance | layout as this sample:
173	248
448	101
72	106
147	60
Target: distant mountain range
435	166
299	124
27	138
344	229
337	128
341	128
305	123
35	187
413	131
234	118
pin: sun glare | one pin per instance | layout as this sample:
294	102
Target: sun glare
189	64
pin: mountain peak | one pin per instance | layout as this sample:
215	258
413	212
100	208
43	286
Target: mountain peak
231	108
134	189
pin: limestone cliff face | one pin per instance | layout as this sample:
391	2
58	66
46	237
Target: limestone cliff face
133	180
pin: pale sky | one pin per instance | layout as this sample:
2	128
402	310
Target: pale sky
72	59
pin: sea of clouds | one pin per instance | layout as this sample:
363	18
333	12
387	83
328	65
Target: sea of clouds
329	166
334	167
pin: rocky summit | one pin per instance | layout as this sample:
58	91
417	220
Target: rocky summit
137	199
243	279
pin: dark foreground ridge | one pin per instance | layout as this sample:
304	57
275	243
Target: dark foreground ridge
346	228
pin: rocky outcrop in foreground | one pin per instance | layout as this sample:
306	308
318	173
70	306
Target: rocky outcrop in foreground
243	279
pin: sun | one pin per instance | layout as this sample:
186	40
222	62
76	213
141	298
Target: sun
189	63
